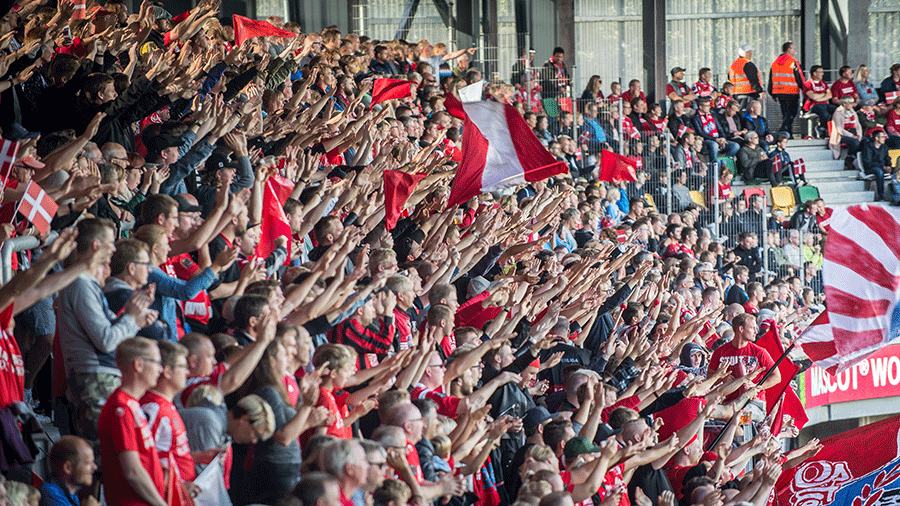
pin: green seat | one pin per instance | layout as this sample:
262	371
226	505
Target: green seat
728	162
807	193
551	107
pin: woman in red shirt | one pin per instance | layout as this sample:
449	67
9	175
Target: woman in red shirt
893	125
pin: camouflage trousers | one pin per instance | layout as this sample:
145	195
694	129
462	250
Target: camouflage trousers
89	392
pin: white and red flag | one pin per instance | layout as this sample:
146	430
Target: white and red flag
8	152
37	207
890	96
860	467
799	167
499	150
861	275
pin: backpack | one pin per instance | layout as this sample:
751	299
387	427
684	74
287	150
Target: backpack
893	191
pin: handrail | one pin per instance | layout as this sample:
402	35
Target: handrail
14	245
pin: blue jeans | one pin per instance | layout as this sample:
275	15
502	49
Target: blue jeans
879	180
730	149
824	112
852	145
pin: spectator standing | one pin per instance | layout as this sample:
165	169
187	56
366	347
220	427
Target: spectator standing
555	75
132	472
89	332
785	82
755	121
744	76
633	91
703	87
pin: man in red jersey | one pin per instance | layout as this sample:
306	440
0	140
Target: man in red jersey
132	472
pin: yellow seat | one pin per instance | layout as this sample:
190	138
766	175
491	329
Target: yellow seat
649	199
783	198
893	154
698	198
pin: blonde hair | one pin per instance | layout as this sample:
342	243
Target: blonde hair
205	393
260	415
441	446
151	234
337	356
132	348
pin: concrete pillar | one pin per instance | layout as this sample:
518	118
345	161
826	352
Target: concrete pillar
566	29
655	71
858	47
807	44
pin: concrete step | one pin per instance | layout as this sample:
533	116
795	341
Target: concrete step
824	166
811	155
847	198
808	142
829	175
841	186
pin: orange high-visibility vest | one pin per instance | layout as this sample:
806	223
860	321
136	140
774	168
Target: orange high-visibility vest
784	82
738	78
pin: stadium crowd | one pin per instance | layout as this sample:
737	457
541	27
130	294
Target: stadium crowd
560	343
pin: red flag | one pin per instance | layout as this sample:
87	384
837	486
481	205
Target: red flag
8	152
499	150
772	344
683	130
860	467
246	28
585	137
398	186
890	96
274	221
37	207
615	167
678	416
389	89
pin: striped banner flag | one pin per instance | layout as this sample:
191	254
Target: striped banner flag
37	207
862	275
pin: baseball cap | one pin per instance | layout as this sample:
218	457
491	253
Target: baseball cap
578	445
534	417
746	48
604	431
186	207
676	70
477	285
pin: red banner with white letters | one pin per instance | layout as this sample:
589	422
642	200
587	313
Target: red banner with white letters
876	377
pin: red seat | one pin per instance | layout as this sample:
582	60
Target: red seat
753	191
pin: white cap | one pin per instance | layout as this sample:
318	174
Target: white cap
746	48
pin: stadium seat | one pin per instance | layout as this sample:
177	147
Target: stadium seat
753	191
649	199
807	193
893	154
728	162
551	107
698	198
783	198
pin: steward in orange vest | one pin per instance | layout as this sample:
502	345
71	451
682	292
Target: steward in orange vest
744	75
785	84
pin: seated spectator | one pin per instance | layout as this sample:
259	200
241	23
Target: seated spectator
848	128
817	97
787	165
844	87
732	125
892	128
752	160
755	121
703	87
72	467
708	127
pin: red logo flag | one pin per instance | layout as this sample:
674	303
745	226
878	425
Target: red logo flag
615	167
890	96
389	89
860	467
274	222
37	207
787	369
862	262
799	167
398	186
621	235
246	28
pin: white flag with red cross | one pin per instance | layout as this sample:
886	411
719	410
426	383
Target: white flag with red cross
799	167
37	207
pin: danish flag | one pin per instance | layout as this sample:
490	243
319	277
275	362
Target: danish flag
682	131
799	167
862	275
890	96
8	152
37	207
776	164
585	137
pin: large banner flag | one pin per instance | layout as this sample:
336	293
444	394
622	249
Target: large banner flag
274	222
615	167
781	399
860	467
499	150
861	274
389	89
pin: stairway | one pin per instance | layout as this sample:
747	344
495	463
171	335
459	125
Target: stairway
836	185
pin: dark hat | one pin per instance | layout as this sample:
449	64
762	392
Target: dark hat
534	417
358	78
578	445
158	143
186	207
676	70
604	432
